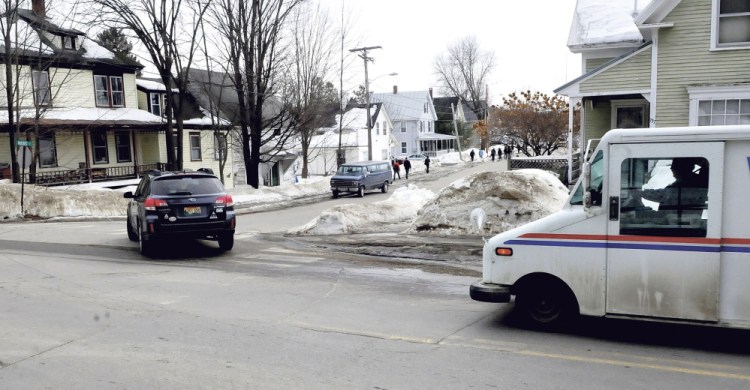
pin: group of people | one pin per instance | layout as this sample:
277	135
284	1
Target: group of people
500	152
407	166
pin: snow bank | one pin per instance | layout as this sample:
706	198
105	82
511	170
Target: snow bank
509	199
400	207
46	202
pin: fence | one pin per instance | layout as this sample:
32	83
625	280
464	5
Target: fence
557	165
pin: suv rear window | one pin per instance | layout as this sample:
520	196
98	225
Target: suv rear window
189	185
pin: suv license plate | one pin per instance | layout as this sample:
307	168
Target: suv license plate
192	210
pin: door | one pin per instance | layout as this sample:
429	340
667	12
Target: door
663	234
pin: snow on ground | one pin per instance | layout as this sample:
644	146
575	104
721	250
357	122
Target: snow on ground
509	199
401	207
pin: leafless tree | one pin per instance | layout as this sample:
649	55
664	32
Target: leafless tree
463	72
314	100
35	74
169	31
251	32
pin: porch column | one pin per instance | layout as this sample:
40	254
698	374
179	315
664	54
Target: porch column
87	154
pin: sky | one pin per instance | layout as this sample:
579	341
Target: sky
528	38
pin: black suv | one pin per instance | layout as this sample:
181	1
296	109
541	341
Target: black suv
184	204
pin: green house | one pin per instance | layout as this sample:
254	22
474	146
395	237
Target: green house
660	63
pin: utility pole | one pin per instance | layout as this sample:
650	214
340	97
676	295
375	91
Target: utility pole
366	58
455	131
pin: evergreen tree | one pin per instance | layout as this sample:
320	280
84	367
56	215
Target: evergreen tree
115	40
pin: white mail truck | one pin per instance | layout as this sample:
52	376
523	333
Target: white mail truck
657	228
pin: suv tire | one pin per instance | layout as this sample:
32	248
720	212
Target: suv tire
145	246
226	241
132	236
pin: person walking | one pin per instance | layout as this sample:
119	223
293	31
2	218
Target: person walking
427	164
492	153
407	166
396	169
472	155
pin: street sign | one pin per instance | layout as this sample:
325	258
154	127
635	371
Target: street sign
23	143
24	156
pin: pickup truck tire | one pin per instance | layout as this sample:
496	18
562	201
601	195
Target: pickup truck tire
361	191
546	306
335	194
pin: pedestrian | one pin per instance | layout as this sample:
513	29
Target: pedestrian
492	153
472	155
508	150
407	166
427	164
396	170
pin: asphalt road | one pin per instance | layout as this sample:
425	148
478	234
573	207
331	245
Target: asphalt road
82	309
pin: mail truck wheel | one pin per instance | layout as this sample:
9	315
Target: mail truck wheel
548	305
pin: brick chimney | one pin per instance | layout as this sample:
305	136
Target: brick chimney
38	7
395	89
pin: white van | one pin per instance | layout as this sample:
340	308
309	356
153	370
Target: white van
632	241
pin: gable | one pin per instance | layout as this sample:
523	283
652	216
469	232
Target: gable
631	74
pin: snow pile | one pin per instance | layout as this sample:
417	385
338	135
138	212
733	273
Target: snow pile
248	196
45	202
401	207
509	199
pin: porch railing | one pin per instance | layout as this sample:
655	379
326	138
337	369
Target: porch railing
89	175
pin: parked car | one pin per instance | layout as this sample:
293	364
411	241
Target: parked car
185	204
358	177
412	157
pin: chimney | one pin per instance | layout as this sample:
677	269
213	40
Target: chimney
38	7
395	89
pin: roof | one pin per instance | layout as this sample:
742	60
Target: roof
30	42
90	116
605	23
434	136
404	105
593	72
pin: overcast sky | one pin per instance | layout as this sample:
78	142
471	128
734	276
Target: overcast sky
528	38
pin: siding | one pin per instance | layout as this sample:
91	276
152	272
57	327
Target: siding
72	88
593	63
685	59
631	75
597	121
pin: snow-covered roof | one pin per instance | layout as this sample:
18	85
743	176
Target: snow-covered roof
605	22
150	85
404	105
122	116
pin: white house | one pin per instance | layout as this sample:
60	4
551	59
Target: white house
354	139
413	116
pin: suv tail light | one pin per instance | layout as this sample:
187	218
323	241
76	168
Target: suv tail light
151	204
224	200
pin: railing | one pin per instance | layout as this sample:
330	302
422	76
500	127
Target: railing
84	175
556	165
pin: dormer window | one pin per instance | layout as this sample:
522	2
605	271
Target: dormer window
730	24
69	42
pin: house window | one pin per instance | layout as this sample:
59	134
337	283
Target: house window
429	127
220	146
42	93
47	150
403	127
195	146
719	105
403	147
99	147
122	143
155	103
731	24
377	128
628	114
69	42
421	126
425	108
109	91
